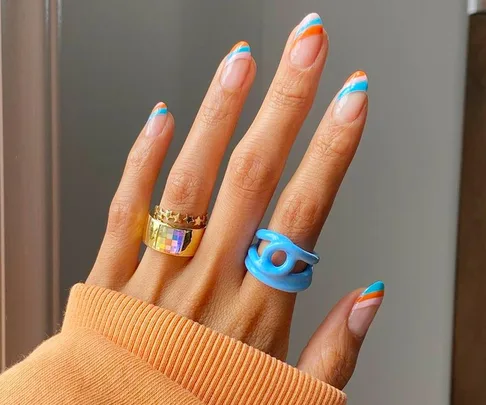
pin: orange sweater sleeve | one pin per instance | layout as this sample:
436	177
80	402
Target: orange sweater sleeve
115	349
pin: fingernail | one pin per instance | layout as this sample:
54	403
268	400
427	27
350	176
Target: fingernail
365	308
307	41
236	66
156	120
350	100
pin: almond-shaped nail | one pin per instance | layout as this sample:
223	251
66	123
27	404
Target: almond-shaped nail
236	66
156	120
365	308
307	41
351	98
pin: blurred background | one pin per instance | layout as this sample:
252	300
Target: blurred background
79	79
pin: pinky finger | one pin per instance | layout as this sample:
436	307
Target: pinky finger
118	256
332	351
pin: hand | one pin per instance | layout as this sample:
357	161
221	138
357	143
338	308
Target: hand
213	287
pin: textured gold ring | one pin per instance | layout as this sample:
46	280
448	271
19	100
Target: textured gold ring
170	239
177	219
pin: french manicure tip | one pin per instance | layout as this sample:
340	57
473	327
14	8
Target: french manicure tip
376	286
241	50
371	296
310	25
159	109
357	82
365	308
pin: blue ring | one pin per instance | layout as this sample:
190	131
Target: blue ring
280	277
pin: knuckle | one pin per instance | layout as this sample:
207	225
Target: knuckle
299	212
216	111
250	174
333	143
342	367
182	187
123	214
289	94
138	159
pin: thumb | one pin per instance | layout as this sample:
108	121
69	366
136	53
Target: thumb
332	351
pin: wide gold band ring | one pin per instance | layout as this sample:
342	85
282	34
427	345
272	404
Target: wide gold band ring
176	219
171	240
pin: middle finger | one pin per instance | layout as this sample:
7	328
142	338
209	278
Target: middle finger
257	162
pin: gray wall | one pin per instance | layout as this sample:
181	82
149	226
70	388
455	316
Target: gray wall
395	217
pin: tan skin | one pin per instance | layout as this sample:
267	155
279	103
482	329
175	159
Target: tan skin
214	288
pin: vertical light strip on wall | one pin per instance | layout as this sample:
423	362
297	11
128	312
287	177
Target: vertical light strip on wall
54	21
2	221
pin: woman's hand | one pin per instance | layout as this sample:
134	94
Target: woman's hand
213	287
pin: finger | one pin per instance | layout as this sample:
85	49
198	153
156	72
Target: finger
257	162
333	350
193	175
118	256
307	199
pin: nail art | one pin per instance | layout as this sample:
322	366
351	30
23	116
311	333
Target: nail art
159	109
310	25
240	51
357	82
236	66
307	42
372	296
365	308
156	120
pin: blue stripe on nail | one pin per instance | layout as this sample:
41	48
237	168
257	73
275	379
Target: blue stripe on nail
353	87
315	21
375	287
158	111
239	50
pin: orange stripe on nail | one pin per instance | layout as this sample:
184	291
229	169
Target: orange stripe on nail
370	296
314	30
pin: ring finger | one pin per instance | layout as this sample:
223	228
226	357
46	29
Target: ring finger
306	201
192	177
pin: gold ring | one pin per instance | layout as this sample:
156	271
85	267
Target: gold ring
177	219
171	240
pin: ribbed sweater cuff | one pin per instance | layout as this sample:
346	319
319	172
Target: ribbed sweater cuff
215	368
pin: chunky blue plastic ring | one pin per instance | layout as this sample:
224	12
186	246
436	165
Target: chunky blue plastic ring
280	277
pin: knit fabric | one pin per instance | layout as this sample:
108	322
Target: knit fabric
115	349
